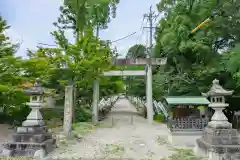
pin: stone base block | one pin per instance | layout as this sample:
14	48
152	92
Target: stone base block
33	130
230	156
6	152
217	152
183	138
207	154
220	124
37	154
37	138
29	149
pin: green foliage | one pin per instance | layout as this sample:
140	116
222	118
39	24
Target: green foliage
81	129
80	15
135	85
83	65
10	67
231	63
12	98
53	117
14	115
84	61
182	154
79	63
83	114
159	117
52	113
194	60
137	51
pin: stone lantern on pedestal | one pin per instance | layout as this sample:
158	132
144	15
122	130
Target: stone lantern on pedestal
217	103
218	138
32	138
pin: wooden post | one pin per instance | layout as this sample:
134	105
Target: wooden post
68	105
95	102
74	104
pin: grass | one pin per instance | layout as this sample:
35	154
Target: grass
163	141
83	128
182	154
179	154
113	149
80	130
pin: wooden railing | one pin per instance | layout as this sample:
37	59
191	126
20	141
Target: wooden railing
187	124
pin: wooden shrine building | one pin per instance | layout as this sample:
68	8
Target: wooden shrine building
188	116
187	113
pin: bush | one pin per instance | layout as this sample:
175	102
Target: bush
53	117
159	117
52	113
14	115
83	114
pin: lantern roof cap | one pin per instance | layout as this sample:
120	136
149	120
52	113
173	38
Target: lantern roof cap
37	89
217	90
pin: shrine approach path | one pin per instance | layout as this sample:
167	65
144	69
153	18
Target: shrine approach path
123	140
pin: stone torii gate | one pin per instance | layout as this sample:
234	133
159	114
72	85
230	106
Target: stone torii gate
147	72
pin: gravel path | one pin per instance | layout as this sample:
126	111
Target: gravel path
121	141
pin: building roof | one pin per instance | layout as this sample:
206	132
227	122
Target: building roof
194	100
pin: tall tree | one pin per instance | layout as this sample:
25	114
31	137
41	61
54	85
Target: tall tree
191	59
136	85
11	79
86	14
10	67
137	51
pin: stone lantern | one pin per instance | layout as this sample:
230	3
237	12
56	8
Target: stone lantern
217	103
32	138
37	95
219	138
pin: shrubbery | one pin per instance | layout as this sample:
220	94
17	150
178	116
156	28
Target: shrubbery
83	114
159	117
14	115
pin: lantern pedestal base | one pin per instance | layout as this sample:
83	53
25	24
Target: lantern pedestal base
220	124
33	122
218	143
31	141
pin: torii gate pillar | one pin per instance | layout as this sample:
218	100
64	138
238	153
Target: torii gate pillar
149	94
